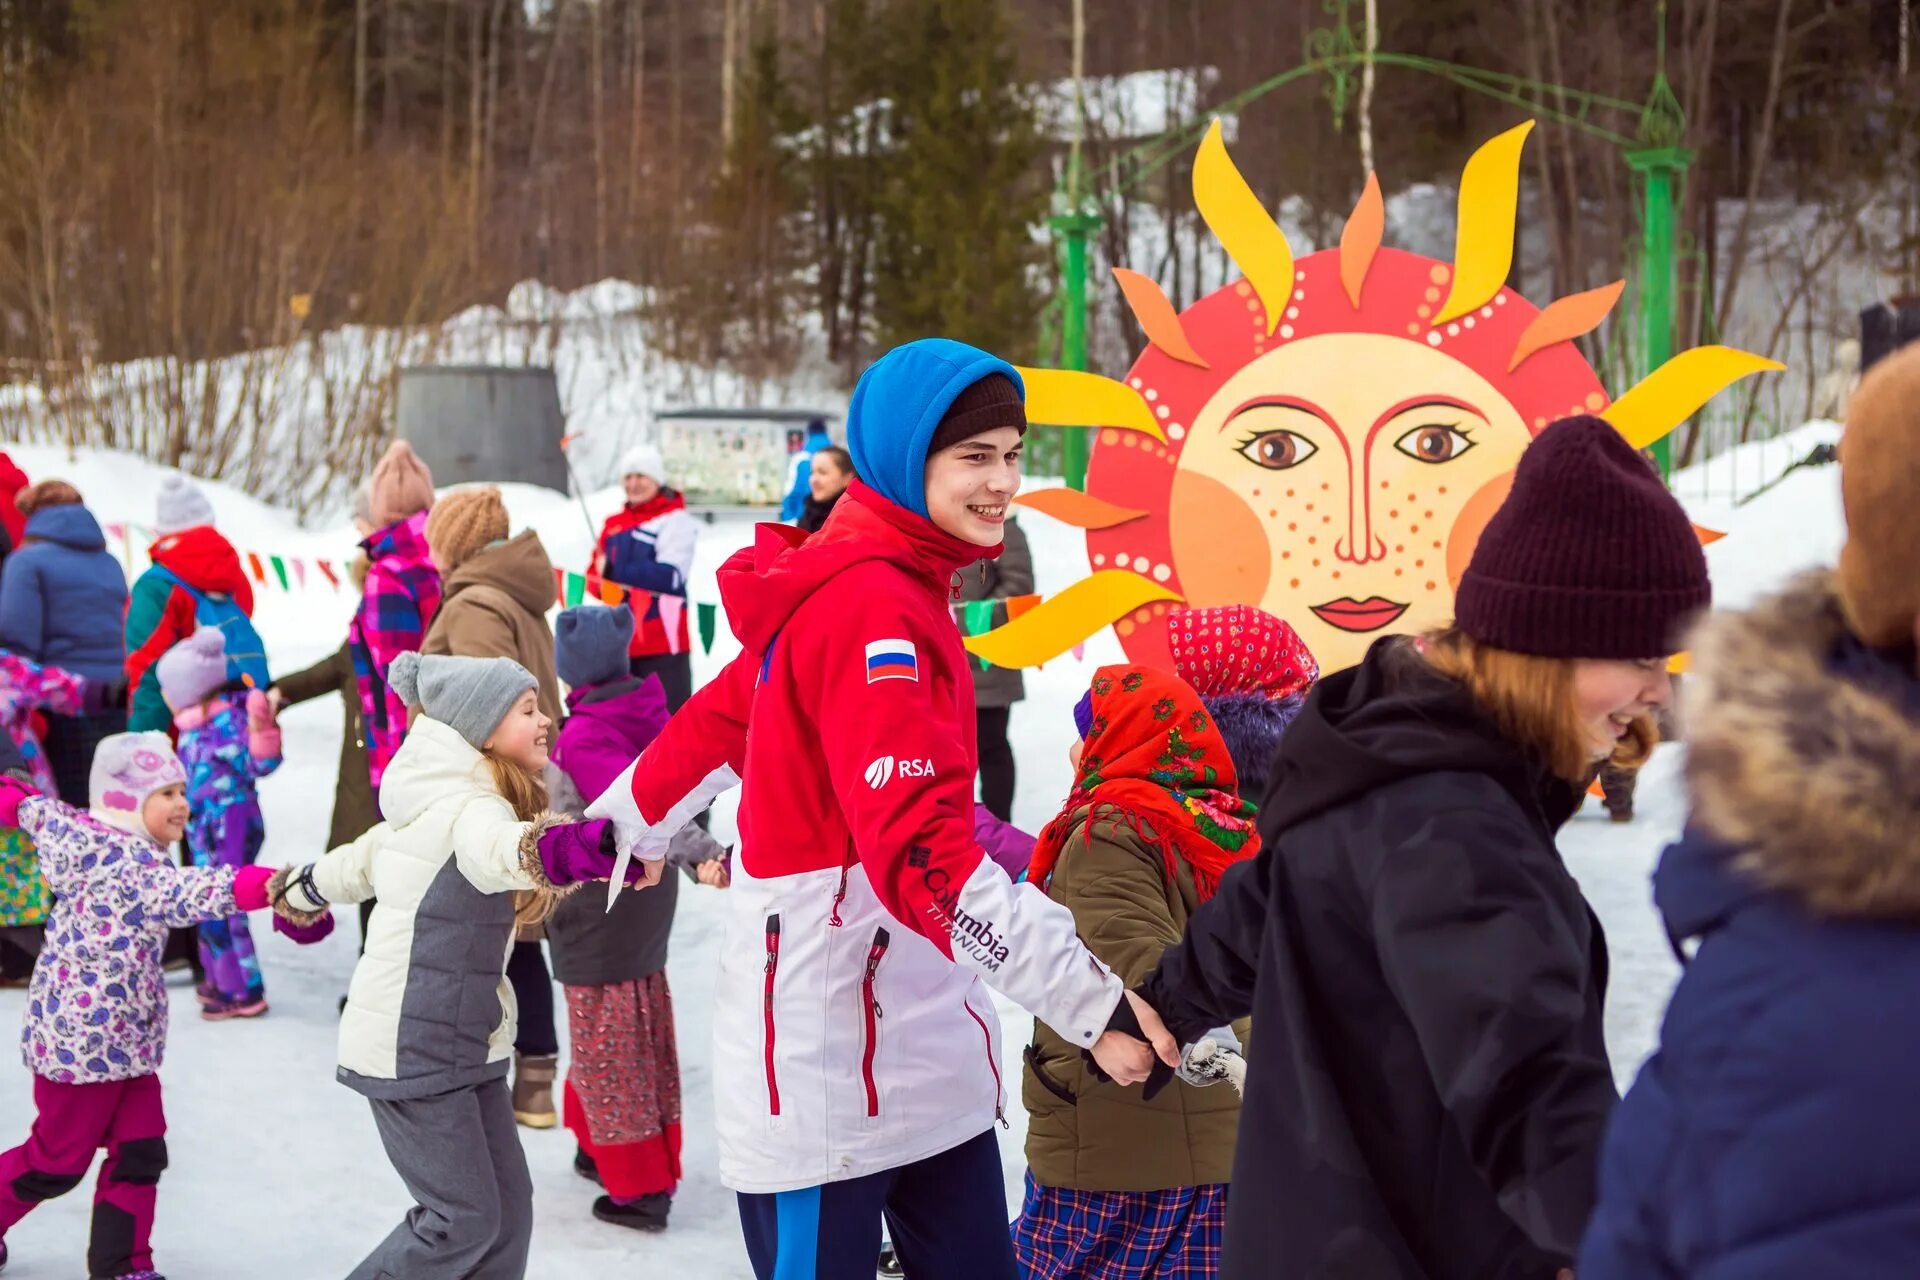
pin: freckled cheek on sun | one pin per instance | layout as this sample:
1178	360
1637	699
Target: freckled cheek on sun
1220	544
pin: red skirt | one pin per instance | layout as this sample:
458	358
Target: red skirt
622	1094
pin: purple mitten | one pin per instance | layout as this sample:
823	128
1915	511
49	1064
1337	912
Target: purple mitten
574	851
304	934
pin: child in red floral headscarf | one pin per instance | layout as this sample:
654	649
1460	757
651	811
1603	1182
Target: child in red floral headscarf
1253	673
1119	1186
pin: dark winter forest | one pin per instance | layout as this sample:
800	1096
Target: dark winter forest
189	179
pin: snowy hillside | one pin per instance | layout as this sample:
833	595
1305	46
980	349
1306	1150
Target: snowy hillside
276	1169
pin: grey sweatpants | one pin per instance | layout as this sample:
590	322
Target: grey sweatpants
459	1154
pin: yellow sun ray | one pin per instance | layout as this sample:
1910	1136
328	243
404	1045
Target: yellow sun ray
1243	226
1489	200
1055	625
1676	390
1069	398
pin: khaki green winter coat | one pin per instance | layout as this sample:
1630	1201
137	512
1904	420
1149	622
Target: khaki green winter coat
1088	1135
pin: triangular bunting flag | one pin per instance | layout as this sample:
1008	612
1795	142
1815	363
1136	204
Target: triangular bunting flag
326	571
576	589
709	616
300	573
560	586
612	593
977	619
1017	605
673	616
259	570
1080	652
117	530
279	570
641	602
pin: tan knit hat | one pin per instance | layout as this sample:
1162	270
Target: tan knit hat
463	522
402	485
1880	491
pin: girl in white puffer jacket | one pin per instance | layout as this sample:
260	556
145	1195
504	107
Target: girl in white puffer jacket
427	1034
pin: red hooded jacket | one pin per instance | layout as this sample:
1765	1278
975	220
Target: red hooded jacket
12	481
864	915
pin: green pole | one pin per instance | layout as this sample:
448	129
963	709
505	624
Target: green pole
1074	227
1659	159
1658	166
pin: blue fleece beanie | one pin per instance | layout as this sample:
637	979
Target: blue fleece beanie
897	406
590	644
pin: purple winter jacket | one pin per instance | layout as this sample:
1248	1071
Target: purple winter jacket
607	726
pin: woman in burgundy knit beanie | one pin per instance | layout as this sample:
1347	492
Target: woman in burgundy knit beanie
1425	972
1576	595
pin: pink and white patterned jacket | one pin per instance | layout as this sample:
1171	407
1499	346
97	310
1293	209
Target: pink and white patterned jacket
97	1007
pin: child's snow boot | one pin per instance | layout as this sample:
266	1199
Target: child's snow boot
584	1166
219	1010
533	1091
648	1213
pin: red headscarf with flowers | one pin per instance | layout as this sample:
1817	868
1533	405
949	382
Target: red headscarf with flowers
1236	648
1154	758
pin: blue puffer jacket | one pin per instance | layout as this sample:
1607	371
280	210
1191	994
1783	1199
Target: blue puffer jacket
1776	1133
63	597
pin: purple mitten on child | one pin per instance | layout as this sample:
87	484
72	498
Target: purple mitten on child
304	934
571	852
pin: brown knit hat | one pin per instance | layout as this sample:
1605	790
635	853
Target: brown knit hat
1589	556
48	493
1880	492
993	401
463	522
402	485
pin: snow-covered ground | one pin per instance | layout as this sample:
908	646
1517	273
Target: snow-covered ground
277	1170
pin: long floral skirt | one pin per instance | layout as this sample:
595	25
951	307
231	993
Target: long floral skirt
1120	1235
622	1095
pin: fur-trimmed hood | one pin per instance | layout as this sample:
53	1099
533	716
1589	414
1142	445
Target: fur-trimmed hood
1811	776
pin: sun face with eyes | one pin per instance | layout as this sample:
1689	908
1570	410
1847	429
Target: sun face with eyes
1327	436
1356	477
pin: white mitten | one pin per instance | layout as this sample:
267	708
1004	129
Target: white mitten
1206	1062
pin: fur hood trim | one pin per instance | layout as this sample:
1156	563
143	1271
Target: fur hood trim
1814	779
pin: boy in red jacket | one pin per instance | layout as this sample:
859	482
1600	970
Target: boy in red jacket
866	923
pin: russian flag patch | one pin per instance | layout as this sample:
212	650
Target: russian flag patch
892	660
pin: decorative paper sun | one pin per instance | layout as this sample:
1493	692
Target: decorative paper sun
1325	438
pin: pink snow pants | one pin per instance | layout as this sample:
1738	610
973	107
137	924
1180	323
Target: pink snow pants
75	1120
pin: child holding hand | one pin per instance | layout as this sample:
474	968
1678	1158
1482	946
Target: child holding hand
96	1019
427	1034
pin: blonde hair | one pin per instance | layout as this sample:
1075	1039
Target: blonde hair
1530	699
526	793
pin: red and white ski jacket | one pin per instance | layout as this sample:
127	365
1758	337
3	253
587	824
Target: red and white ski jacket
852	1032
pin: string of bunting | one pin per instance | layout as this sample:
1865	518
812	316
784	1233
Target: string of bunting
569	590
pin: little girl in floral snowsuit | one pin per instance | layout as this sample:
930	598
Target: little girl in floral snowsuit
228	741
96	1018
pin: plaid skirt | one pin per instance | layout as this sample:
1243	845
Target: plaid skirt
1120	1235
